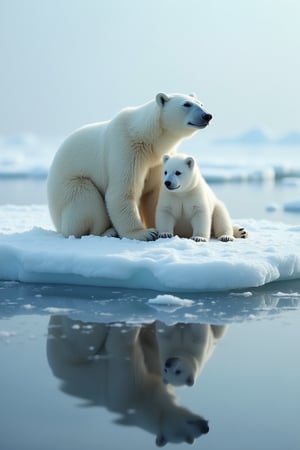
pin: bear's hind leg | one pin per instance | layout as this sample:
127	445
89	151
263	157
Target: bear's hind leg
222	227
85	213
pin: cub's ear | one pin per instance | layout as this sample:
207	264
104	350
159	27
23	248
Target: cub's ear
193	95
161	99
190	162
165	158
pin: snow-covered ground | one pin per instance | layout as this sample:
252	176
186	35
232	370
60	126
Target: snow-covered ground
31	251
34	253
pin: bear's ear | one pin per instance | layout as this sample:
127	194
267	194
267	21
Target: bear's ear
190	162
193	95
165	158
161	99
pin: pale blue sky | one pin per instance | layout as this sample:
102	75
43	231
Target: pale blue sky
68	62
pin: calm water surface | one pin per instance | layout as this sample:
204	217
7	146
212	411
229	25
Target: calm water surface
73	372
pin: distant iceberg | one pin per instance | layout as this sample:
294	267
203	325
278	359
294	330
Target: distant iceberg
292	138
255	136
259	137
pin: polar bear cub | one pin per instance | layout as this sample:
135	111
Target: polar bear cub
184	348
188	207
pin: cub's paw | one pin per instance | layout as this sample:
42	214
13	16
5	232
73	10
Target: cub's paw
199	239
240	232
165	235
225	238
146	234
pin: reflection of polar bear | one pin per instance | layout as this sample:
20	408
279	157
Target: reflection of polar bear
105	177
188	207
184	349
105	365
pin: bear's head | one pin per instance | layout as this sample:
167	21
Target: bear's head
180	370
179	173
182	115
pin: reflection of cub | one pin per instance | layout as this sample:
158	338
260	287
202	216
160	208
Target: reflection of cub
184	349
105	364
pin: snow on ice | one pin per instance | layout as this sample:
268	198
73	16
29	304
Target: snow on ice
41	255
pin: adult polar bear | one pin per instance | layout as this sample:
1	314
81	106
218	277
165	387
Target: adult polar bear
105	178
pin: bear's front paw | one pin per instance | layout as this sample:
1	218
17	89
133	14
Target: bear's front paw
147	234
240	232
110	232
165	235
226	238
243	234
199	239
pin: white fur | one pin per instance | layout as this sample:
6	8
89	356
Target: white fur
106	366
105	177
188	207
184	349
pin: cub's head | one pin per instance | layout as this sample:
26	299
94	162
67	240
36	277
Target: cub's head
180	370
179	173
182	115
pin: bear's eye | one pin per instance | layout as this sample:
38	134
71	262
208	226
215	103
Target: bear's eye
165	172
187	104
178	372
177	173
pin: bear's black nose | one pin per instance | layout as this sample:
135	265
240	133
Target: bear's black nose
207	117
167	184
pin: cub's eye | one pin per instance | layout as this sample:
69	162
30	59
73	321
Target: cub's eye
177	372
165	172
177	173
187	104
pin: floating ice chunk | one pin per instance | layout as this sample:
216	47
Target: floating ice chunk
292	206
242	294
271	207
28	306
54	310
286	294
170	300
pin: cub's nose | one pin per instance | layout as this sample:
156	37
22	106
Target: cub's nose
167	184
207	117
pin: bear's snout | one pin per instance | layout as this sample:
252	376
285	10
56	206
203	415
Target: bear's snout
171	183
205	428
207	117
171	362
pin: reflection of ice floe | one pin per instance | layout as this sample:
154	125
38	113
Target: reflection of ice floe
132	306
5	334
287	294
